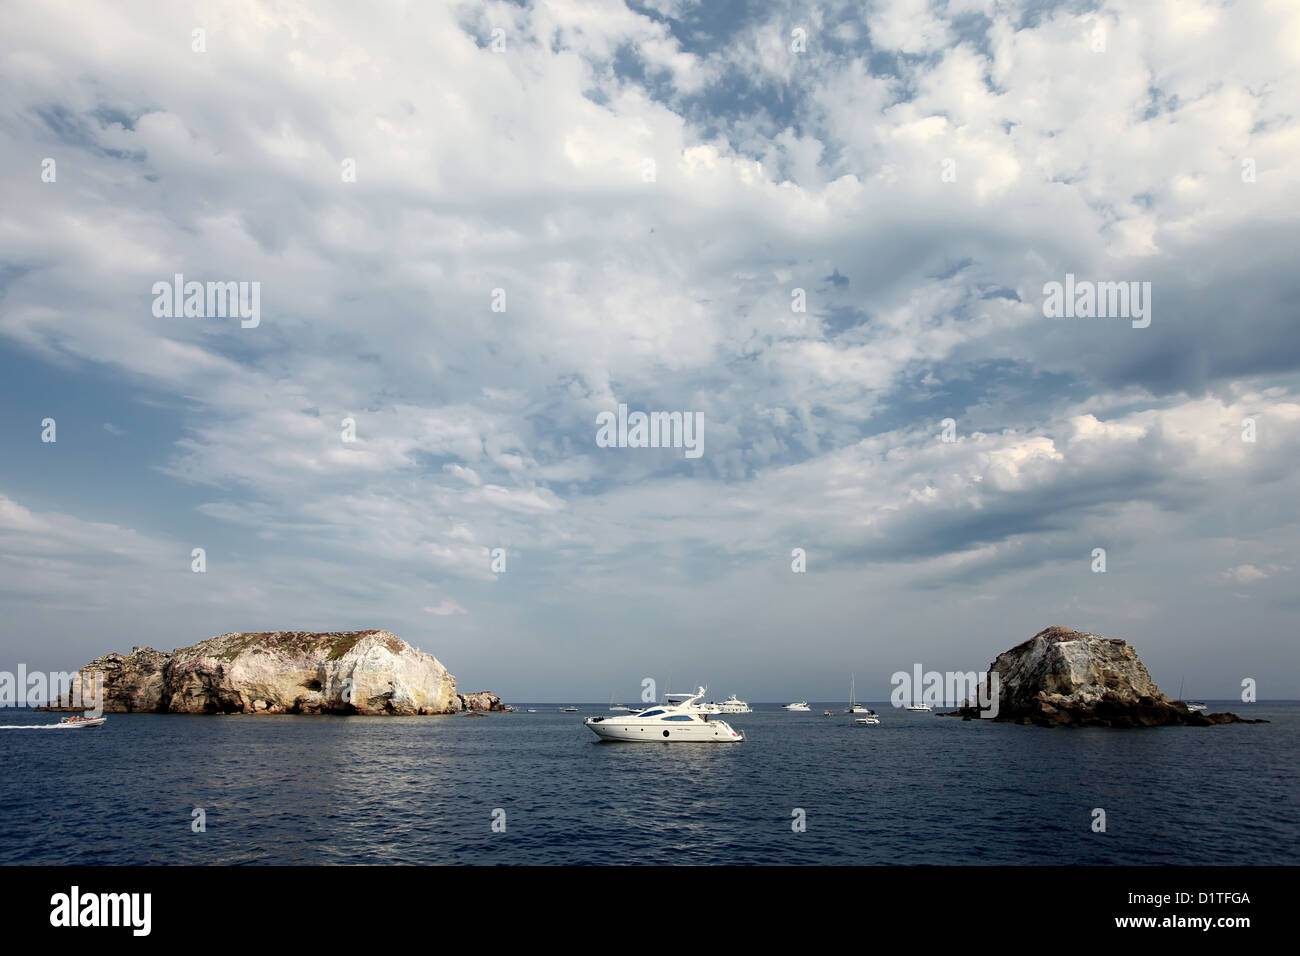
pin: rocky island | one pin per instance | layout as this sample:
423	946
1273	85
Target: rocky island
281	672
1066	678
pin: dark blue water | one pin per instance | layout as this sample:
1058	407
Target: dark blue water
916	789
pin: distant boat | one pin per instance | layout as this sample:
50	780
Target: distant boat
1190	704
624	708
801	705
732	705
569	710
871	717
827	713
854	707
918	707
532	710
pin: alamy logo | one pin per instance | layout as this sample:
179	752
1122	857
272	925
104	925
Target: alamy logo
210	300
1085	299
951	688
81	690
103	909
655	430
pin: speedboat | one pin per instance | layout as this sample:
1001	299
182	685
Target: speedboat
871	717
569	710
683	719
827	713
71	722
918	707
801	705
734	706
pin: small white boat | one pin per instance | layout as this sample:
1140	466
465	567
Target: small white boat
1190	704
854	707
68	723
801	705
871	717
918	707
732	705
827	713
532	710
569	710
683	719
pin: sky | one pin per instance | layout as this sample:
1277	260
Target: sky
476	227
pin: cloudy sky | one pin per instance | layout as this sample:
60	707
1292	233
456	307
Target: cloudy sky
653	188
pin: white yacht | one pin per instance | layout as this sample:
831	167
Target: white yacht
918	707
734	706
569	710
801	705
684	718
854	707
869	718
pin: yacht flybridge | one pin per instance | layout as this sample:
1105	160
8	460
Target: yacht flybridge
684	718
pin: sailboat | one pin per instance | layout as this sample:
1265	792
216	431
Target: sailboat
854	707
1190	704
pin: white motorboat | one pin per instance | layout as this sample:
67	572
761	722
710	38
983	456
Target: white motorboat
871	717
569	710
827	713
801	705
854	707
684	718
68	723
732	705
918	707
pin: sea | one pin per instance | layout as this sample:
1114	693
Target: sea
539	788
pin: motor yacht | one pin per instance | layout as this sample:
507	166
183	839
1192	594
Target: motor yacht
684	718
732	705
871	717
918	707
801	705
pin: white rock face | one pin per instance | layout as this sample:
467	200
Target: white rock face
275	672
1061	665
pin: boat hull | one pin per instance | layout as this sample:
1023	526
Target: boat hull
711	732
